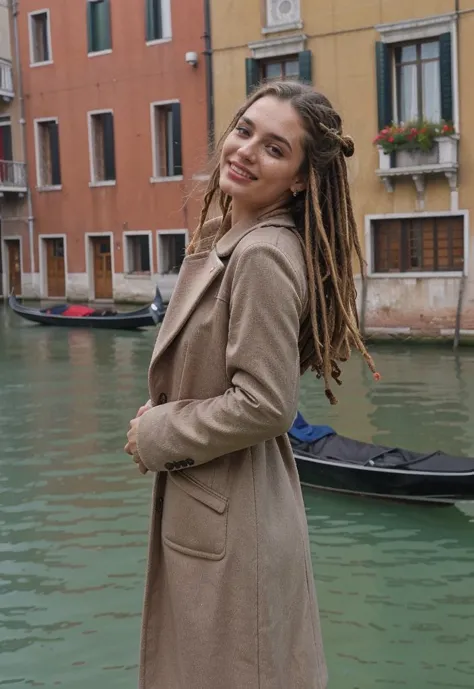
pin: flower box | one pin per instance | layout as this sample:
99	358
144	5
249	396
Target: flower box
444	152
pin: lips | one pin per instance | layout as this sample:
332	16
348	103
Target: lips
241	171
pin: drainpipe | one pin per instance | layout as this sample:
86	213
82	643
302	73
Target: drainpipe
15	11
209	76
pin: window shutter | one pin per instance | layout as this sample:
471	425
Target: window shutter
109	146
383	58
90	29
154	23
177	154
252	74
7	153
445	68
305	59
105	29
54	146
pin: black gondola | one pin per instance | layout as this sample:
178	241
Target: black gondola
329	461
149	315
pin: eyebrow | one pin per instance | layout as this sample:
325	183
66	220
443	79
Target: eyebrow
277	137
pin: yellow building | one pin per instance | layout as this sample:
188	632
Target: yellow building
16	232
379	62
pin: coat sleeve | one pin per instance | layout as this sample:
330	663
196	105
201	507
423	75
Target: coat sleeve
263	368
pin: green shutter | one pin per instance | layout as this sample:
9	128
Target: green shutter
107	43
54	149
383	56
176	129
7	153
445	70
305	59
109	146
98	25
90	29
252	74
154	20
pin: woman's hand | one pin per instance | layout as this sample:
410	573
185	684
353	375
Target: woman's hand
131	446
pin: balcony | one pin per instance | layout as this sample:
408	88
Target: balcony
442	159
12	177
6	80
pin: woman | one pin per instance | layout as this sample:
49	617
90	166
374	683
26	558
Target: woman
265	292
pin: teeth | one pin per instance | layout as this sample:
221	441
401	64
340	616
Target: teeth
240	172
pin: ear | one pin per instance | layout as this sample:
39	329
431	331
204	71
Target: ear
299	184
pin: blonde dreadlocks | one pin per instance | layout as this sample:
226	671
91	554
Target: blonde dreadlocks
324	219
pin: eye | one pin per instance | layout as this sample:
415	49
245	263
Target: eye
242	130
275	151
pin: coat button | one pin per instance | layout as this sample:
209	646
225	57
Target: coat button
163	398
170	466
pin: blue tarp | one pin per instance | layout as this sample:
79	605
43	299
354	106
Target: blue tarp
306	433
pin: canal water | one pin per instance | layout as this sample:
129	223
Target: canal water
395	582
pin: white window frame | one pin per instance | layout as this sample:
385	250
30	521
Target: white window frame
43	267
89	254
30	35
154	140
369	245
94	182
5	239
167	27
39	185
159	252
126	258
417	30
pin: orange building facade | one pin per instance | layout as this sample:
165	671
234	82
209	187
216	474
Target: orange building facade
116	130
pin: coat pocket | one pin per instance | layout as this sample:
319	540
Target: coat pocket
194	518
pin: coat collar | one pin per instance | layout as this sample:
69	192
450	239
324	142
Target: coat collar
228	242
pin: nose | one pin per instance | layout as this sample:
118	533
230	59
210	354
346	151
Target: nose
247	151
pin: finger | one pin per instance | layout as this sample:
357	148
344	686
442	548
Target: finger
142	468
128	449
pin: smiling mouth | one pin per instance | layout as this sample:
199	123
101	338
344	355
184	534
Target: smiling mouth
241	172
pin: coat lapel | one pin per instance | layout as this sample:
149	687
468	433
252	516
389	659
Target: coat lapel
196	276
199	272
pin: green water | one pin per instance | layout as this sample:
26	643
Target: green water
395	582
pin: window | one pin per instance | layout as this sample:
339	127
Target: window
102	147
98	26
166	137
6	152
297	65
278	69
404	245
48	166
418	81
40	38
158	20
422	70
171	251
138	253
283	13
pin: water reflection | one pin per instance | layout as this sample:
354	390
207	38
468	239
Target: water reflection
393	580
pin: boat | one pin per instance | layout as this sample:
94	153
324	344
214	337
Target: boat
80	316
332	462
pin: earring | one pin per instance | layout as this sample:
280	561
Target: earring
295	193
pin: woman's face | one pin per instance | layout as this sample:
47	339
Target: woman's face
261	158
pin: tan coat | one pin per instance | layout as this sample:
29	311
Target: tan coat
229	598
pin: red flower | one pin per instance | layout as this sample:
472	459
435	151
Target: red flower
391	139
447	128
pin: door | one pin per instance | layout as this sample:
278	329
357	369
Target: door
14	265
102	268
56	282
